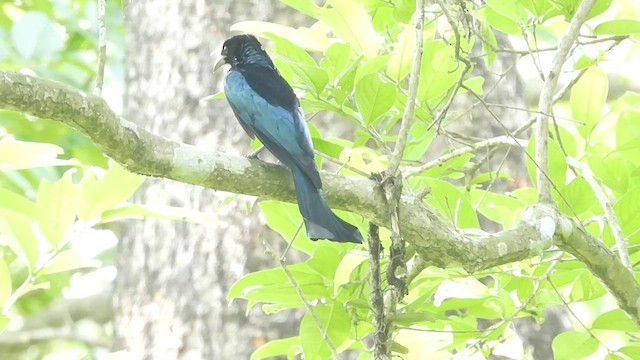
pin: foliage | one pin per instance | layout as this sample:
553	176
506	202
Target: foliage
355	62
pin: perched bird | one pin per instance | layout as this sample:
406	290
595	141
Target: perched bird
267	108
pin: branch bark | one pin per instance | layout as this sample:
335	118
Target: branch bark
546	99
435	239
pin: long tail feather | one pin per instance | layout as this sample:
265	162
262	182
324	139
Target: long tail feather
320	221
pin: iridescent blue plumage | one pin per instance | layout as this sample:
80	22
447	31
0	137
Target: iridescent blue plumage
267	108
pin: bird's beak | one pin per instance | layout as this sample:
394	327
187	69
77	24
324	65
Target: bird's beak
219	64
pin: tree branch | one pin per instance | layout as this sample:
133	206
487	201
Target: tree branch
609	214
434	239
545	102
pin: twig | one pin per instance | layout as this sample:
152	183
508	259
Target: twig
380	334
465	61
609	214
407	116
494	142
102	47
546	100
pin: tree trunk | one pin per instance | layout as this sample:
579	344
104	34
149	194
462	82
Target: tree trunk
173	276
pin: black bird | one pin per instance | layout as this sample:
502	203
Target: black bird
267	108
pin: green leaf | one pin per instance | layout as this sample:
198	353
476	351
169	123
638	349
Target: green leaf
557	162
618	27
275	348
272	277
314	77
511	9
312	39
350	21
69	260
404	9
572	345
503	209
586	287
475	84
16	155
489	43
9	200
610	167
420	137
588	97
579	196
371	66
374	98
18	233
217	96
626	209
101	191
335	322
402	55
615	320
291	52
628	133
35	36
325	261
460	288
631	351
347	265
285	219
439	71
5	282
499	22
56	207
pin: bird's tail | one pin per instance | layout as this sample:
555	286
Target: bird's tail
320	221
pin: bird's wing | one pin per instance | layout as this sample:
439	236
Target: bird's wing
284	132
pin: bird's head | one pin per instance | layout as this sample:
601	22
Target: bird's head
243	50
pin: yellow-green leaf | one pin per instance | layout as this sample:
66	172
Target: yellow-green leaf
618	27
56	207
350	21
5	282
68	260
17	155
588	97
402	56
374	98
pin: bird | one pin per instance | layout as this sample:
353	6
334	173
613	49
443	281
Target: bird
267	108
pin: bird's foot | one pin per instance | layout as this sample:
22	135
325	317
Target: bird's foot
254	155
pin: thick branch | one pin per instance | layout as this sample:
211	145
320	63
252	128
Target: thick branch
546	99
435	239
149	154
604	264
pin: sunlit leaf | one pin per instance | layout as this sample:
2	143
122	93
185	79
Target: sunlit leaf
615	320
56	207
618	27
351	22
572	345
275	348
16	155
335	322
348	263
374	97
588	97
5	282
69	260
